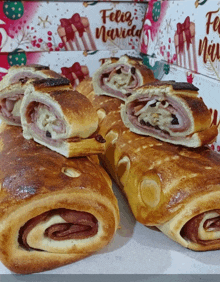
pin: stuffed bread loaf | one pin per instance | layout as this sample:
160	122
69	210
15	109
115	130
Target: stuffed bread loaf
119	76
12	88
60	118
173	188
170	111
54	210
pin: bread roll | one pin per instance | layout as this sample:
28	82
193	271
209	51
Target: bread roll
170	111
12	88
119	76
54	210
60	118
173	188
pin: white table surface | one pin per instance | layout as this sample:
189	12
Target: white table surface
137	249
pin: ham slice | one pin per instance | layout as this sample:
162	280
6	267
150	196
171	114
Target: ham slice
60	118
12	88
67	225
170	111
118	76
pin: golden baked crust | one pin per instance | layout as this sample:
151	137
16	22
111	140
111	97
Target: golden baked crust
165	185
35	180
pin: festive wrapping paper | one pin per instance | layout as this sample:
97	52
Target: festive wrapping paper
208	87
71	26
75	65
184	33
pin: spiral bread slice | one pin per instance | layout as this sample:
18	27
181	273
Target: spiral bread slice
13	86
54	210
61	119
173	188
170	111
119	76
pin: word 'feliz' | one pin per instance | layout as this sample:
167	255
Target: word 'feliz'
210	51
118	17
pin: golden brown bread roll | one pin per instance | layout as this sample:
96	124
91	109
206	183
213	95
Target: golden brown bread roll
54	210
13	86
173	188
170	111
118	76
60	118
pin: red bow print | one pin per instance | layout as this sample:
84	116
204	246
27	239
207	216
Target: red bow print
67	24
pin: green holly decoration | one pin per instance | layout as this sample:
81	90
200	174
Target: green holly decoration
13	10
166	68
17	58
156	11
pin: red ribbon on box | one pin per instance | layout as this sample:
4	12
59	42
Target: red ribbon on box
67	24
76	69
184	28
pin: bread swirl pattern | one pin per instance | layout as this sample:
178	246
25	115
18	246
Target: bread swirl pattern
170	111
60	118
118	76
54	210
13	86
171	187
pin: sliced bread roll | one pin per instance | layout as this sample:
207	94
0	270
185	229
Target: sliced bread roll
13	87
61	119
119	76
169	111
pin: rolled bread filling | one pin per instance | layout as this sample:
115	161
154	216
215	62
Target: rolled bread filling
10	102
203	229
162	116
43	231
119	80
10	108
45	122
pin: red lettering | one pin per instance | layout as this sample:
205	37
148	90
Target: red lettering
209	22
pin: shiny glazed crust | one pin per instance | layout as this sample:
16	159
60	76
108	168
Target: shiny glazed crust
33	181
165	185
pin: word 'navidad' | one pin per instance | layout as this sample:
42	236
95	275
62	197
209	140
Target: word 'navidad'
118	17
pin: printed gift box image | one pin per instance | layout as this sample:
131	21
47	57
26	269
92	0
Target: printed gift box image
185	33
72	26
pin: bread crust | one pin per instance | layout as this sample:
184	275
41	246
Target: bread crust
33	181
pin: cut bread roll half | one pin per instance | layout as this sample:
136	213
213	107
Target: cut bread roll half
170	111
54	210
119	76
61	119
15	83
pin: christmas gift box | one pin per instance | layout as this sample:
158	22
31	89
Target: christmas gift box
72	26
183	33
